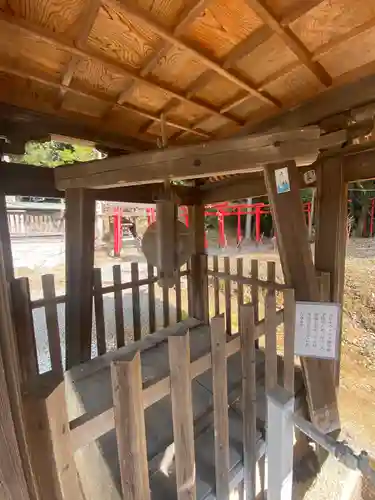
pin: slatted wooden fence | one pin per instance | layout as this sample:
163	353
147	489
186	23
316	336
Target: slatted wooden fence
170	304
131	398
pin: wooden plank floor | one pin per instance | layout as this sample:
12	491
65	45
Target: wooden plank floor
98	462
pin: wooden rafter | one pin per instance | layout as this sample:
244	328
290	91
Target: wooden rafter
291	40
186	18
24	27
46	80
144	17
248	45
85	24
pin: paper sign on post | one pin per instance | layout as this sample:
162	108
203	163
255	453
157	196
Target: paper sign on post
282	180
317	329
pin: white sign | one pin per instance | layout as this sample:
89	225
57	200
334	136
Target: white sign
282	180
317	329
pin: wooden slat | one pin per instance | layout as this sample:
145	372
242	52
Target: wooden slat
137	328
182	413
248	358
52	323
271	271
254	270
289	331
151	300
291	40
99	313
48	429
24	328
178	296
216	286
227	296
239	289
166	318
130	428
325	287
271	344
220	398
118	304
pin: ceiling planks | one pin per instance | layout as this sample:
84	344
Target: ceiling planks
208	65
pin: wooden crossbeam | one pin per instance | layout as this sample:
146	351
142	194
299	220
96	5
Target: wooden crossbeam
291	40
144	17
215	158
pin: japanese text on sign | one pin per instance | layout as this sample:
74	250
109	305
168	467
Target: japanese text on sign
317	329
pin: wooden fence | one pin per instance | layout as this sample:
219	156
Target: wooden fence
259	313
124	334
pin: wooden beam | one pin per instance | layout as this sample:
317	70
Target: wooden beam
291	40
18	179
333	101
145	18
234	188
299	273
80	238
331	229
5	239
215	158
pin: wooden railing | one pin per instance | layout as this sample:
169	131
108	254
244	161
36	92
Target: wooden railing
123	334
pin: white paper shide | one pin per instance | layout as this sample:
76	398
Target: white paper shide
317	329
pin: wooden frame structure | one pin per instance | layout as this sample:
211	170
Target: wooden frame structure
198	76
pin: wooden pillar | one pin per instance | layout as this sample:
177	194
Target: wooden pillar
299	273
5	239
199	282
80	242
16	482
331	228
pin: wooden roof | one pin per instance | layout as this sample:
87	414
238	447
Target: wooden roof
110	69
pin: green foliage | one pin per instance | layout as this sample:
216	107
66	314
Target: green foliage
53	154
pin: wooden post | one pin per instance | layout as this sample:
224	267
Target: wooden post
299	273
249	397
80	240
5	239
130	428
331	229
182	413
199	282
220	396
101	344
